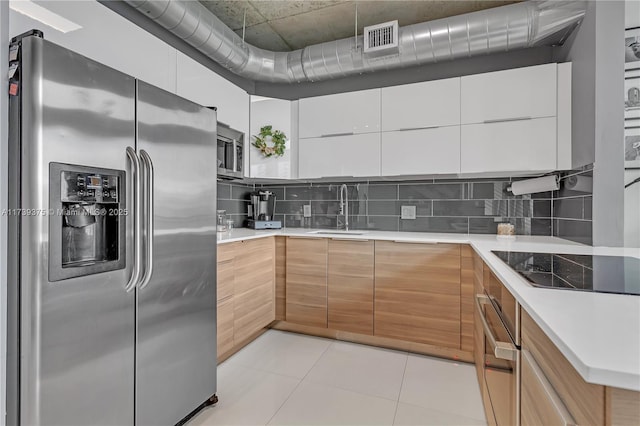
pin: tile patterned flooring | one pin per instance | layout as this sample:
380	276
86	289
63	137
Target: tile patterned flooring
290	379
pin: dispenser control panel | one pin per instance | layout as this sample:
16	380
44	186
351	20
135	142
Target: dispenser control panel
87	220
89	187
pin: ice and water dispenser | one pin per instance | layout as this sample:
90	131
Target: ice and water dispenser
87	221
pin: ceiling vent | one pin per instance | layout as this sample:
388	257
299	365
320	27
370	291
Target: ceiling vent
381	38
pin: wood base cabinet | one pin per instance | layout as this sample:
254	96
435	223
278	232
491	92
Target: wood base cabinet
306	281
466	298
552	391
246	292
417	292
225	327
281	278
623	407
350	285
225	283
254	287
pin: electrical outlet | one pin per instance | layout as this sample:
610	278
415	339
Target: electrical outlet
408	212
306	210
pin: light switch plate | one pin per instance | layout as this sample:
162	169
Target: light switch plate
306	210
408	212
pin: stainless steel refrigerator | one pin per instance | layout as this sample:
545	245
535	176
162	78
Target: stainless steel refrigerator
113	245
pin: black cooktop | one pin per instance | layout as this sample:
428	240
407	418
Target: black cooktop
603	274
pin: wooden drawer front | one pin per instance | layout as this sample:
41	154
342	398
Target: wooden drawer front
225	326
417	293
623	407
254	287
350	286
466	299
281	277
226	279
253	310
306	288
584	401
226	251
254	264
539	403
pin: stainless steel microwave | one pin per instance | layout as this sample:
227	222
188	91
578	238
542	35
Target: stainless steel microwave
230	152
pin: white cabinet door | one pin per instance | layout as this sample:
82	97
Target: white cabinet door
504	95
425	151
203	86
514	146
278	114
344	113
419	105
353	155
106	37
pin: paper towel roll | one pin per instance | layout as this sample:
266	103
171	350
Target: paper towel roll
530	186
579	183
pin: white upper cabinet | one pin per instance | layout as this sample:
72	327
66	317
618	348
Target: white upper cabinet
511	146
350	155
203	86
106	37
515	94
281	115
422	151
421	105
341	114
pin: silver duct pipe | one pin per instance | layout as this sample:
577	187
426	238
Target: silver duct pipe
501	29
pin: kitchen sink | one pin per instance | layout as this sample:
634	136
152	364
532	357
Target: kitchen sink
337	233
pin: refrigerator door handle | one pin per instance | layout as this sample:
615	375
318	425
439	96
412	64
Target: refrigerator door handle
148	190
137	236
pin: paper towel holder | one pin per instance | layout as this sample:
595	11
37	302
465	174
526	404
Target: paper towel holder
531	186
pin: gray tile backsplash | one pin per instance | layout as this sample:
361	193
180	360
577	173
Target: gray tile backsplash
234	198
458	206
572	209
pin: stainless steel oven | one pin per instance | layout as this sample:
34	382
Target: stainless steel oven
230	152
500	318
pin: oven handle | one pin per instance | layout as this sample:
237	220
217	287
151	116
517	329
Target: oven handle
502	350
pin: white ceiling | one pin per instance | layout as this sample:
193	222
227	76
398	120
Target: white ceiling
290	25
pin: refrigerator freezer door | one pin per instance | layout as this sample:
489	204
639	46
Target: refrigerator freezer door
76	334
176	324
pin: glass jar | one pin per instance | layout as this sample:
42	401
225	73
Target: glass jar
221	221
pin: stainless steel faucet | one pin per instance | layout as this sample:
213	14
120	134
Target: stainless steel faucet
344	205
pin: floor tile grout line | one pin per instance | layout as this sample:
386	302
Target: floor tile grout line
299	383
404	372
445	412
252	367
368	395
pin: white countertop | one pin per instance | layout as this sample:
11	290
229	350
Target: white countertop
598	333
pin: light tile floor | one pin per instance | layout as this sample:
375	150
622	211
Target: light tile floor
290	379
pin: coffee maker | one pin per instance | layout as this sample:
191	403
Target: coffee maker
261	210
